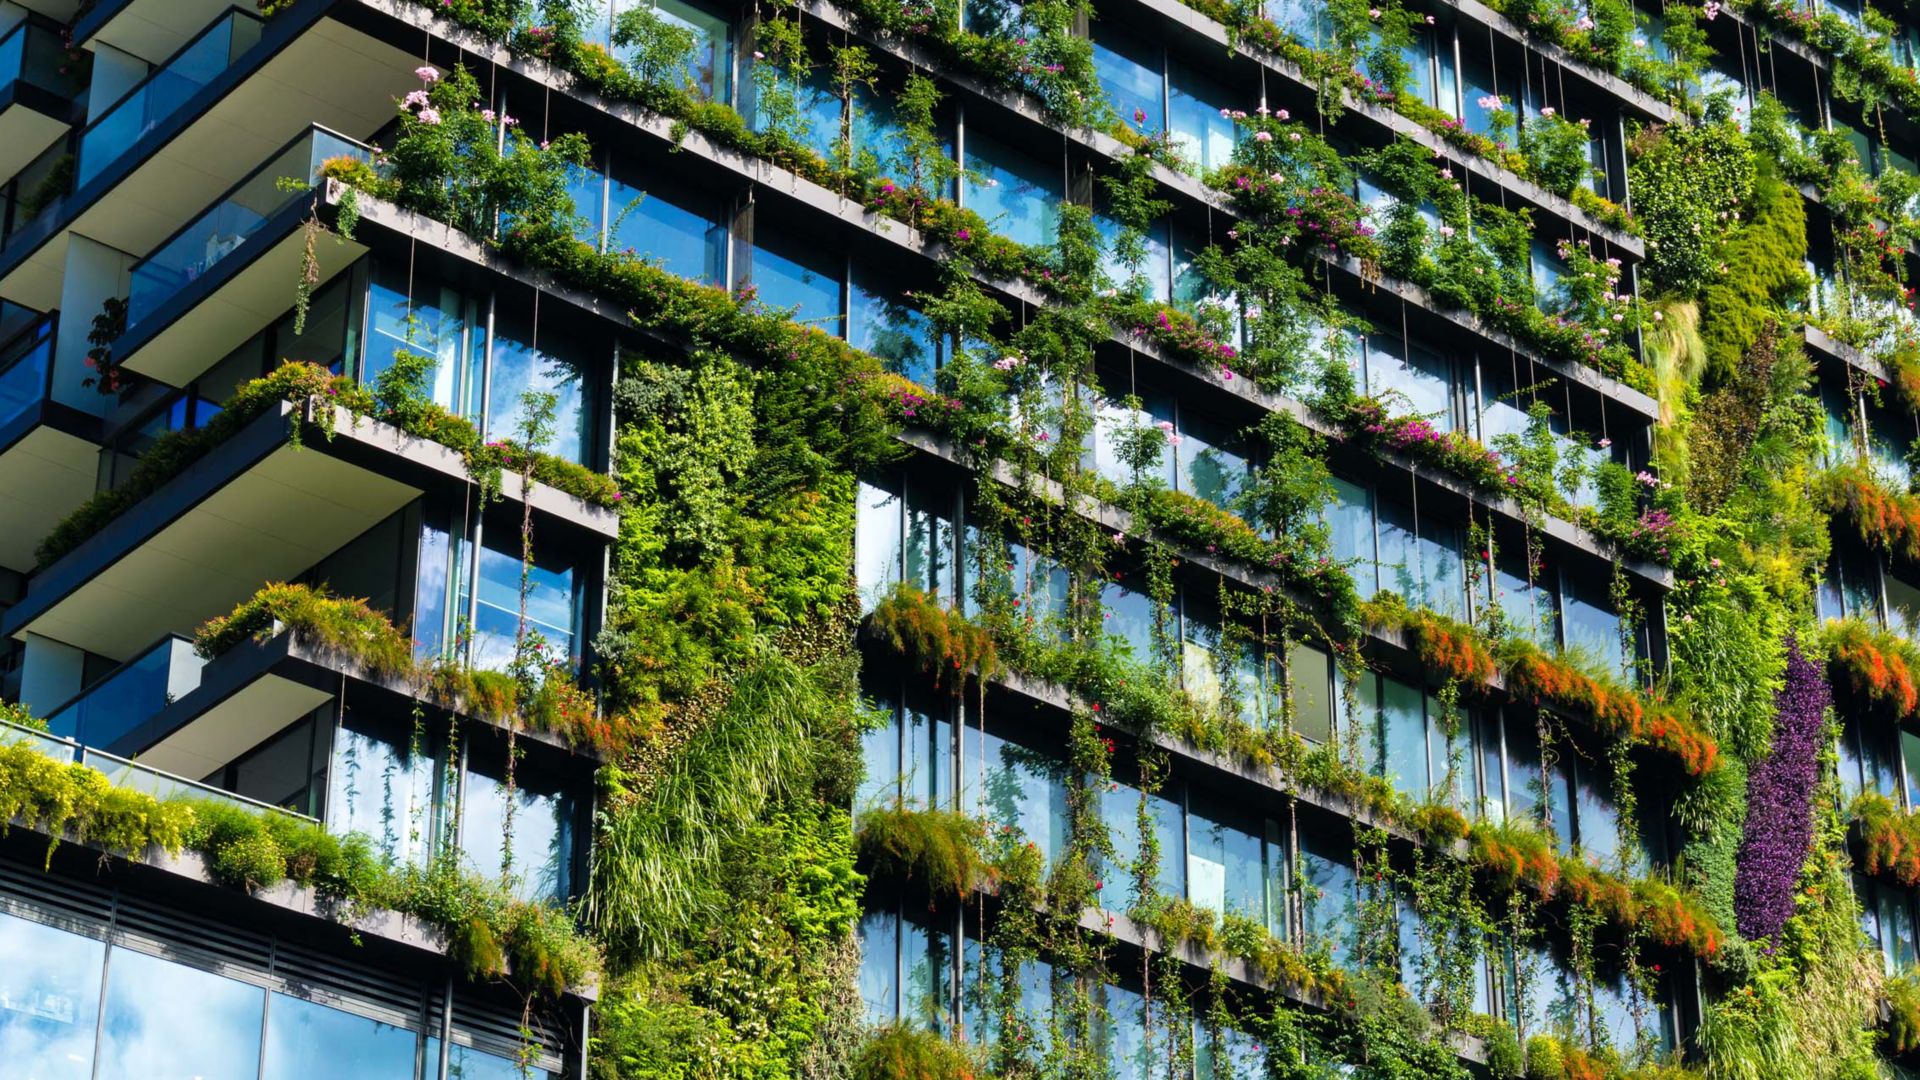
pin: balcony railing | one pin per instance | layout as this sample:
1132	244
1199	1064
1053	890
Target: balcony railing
223	227
131	774
26	370
131	694
163	92
33	53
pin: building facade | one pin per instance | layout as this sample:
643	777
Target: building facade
1321	497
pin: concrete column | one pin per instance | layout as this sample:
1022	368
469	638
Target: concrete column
50	675
95	273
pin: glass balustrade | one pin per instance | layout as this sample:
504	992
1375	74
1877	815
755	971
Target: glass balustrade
164	92
126	773
131	694
223	227
26	361
32	53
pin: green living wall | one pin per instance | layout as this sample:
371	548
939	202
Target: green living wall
728	871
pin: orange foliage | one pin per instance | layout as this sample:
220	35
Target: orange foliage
1532	673
1885	519
1879	665
1889	839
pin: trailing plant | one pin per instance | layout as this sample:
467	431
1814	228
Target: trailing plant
1779	825
904	1052
946	642
1879	666
942	850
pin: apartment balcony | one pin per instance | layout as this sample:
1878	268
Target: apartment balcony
48	451
266	504
214	283
43	88
225	100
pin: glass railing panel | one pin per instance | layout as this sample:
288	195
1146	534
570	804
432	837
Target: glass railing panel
34	54
164	785
131	695
25	361
51	745
225	226
164	92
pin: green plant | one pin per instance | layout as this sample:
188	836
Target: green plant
939	849
909	1053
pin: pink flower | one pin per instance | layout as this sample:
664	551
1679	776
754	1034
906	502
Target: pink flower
429	115
1262	136
1547	112
427	74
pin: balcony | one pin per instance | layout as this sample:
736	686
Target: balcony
42	88
105	712
257	507
231	97
225	274
48	451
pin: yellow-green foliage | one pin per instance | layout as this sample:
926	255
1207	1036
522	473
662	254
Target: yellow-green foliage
940	849
348	626
909	1053
1763	275
66	799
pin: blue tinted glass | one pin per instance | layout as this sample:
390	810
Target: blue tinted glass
817	105
1226	868
1018	194
1599	824
1129	71
588	189
877	540
1591	625
880	966
1014	786
709	68
1153	268
541	834
552	606
558	366
1349	518
1403	726
466	1063
308	1041
881	322
49	1000
880	760
1122	1038
1129	619
926	964
169	1020
425	317
791	275
377	789
1326	891
1204	138
682	235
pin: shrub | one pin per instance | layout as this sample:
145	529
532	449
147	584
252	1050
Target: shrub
901	1052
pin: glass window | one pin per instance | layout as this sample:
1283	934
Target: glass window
553	604
1154	268
816	123
427	318
1592	628
168	1020
467	1063
309	1041
1120	811
375	787
793	275
1204	138
1009	784
532	844
1306	20
926	959
1492	775
558	365
930	542
1403	736
1208	469
1327	889
1226	859
1349	518
1910	757
877	540
1227	1053
1599	822
1549	272
1130	72
49	1000
1121	1035
1128	617
709	66
1420	377
1112	422
1310	683
881	322
880	966
682	233
1018	194
433	593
